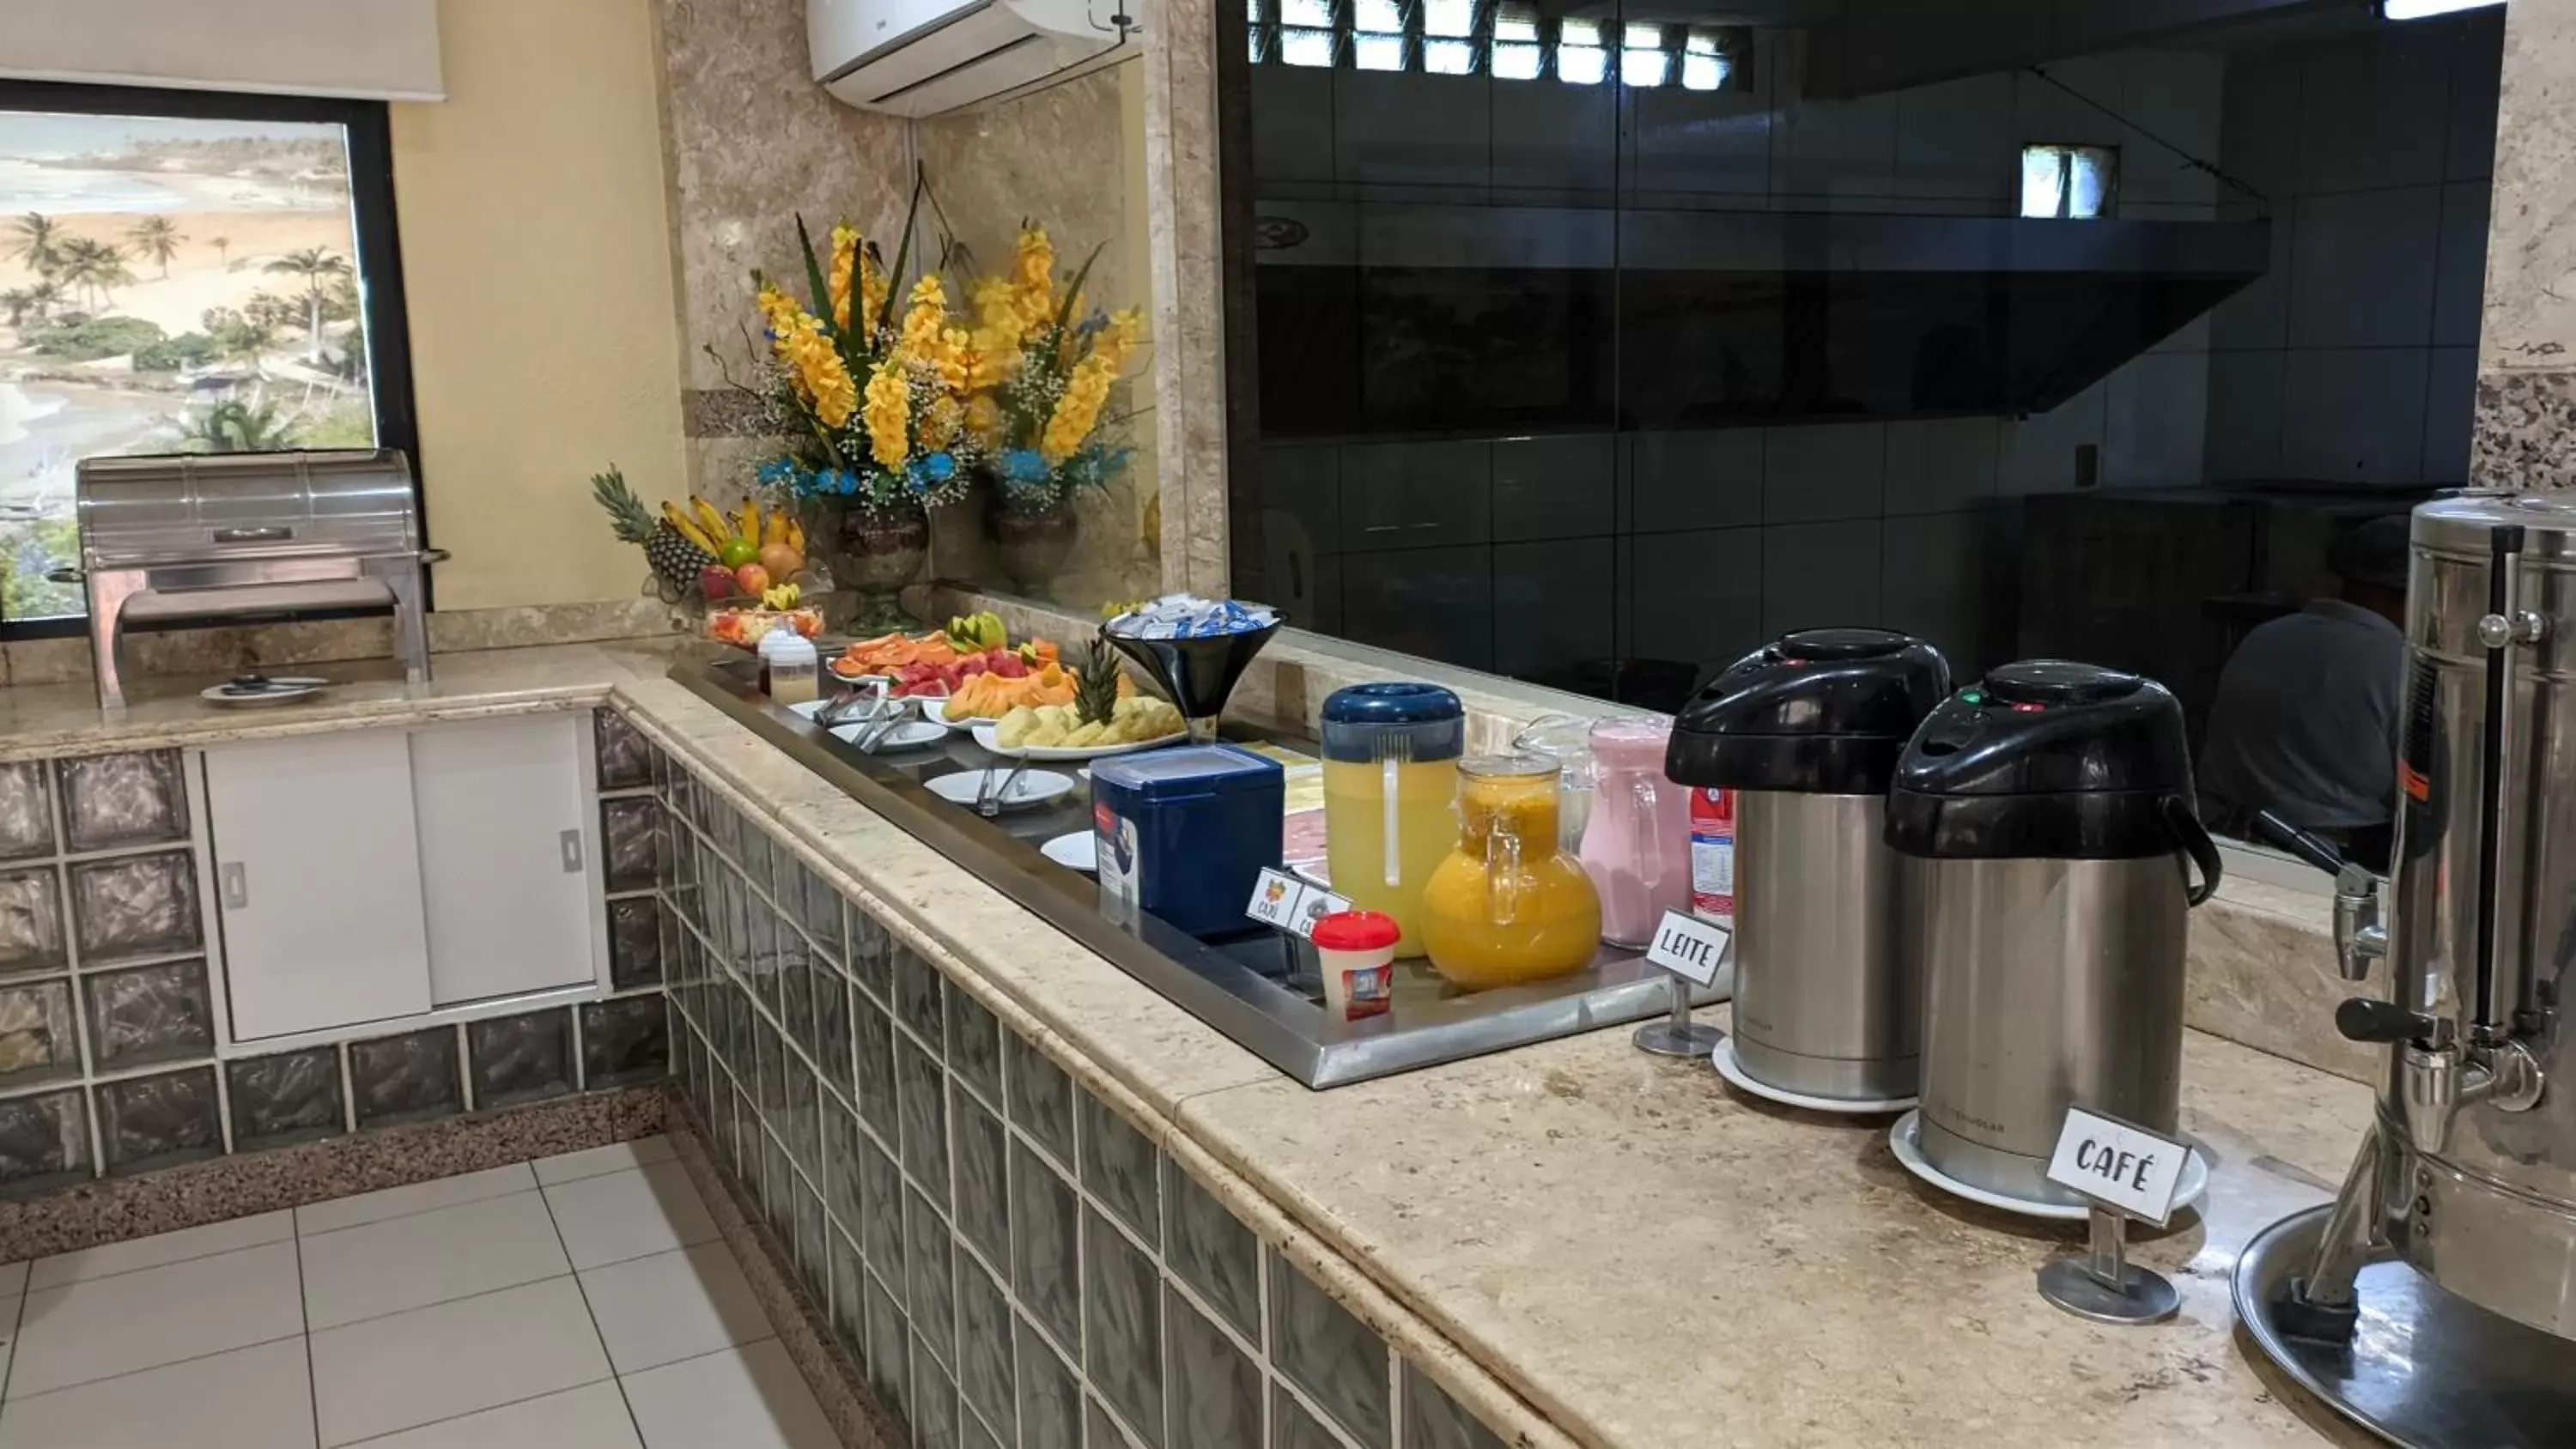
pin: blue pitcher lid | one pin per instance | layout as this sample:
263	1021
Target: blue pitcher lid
1392	703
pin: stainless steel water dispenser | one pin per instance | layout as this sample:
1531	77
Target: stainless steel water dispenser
2435	1300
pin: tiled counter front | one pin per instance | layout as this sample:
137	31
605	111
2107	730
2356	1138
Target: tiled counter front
108	1023
1004	1258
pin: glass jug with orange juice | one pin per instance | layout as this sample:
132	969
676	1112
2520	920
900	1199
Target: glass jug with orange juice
1390	772
1509	904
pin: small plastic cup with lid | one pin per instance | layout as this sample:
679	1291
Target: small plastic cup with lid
1357	953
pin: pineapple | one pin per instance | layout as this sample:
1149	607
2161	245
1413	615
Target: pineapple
1095	686
672	546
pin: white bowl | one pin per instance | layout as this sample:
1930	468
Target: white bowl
1078	851
936	711
1034	788
912	734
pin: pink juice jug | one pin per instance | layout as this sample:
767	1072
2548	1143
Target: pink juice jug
1637	845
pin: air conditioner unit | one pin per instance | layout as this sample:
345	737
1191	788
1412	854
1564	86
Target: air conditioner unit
924	57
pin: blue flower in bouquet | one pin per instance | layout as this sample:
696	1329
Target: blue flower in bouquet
940	466
1022	468
781	473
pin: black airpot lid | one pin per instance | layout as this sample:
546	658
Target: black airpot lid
1819	711
2044	757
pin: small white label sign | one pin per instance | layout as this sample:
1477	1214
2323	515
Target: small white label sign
1283	901
2117	1165
1688	947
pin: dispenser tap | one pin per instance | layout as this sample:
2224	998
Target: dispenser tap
2360	938
2437	1081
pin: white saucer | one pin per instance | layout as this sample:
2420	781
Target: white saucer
1906	1140
912	734
1733	1070
1078	851
1034	787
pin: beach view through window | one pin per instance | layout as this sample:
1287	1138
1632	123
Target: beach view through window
166	285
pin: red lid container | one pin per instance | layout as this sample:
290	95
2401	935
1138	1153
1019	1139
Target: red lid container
1356	931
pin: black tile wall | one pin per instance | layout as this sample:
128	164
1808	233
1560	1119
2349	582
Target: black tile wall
289	1097
1045	1259
1214	1388
635	942
407	1078
111	801
1118	1167
1004	1258
31	921
26	810
932	1297
983	1188
1041	1099
1050	1397
1433	1420
983	1341
630	836
1122	1334
136	905
36	1033
625	1040
522	1058
1212	1251
44	1141
149	1014
625	756
147	1122
1328	1353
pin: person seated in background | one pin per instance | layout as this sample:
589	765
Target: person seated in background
2304	723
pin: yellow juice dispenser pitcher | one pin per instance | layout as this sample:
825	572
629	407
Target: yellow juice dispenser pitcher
1390	771
1509	904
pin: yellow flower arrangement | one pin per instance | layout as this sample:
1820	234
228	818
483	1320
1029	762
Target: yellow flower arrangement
889	415
1033	273
845	265
813	365
1078	411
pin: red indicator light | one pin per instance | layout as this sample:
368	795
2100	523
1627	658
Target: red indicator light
2028	708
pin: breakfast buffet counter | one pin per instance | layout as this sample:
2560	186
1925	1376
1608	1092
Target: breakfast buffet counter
1580	1243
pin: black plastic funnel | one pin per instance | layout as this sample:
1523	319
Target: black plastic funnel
1198	673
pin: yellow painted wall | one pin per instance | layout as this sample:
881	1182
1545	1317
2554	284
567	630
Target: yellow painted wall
536	247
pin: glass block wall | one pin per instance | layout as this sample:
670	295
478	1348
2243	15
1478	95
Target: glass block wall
107	1026
1003	1257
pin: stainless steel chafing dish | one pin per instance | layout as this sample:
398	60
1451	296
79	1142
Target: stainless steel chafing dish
216	536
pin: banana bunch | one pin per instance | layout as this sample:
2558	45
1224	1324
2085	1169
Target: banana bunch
737	538
976	633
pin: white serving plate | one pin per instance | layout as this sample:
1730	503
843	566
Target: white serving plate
936	711
282	689
1034	788
1078	851
987	736
1905	1139
912	734
1733	1070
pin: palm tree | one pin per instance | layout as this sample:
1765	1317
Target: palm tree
21	303
36	239
239	337
316	267
233	427
157	237
94	267
223	246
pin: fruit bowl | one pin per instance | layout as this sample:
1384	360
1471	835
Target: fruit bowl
743	628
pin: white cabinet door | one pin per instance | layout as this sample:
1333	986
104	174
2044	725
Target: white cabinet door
317	881
505	856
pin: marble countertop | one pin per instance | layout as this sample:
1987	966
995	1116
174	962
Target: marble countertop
1643	1256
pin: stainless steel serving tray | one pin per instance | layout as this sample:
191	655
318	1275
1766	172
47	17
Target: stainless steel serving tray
1257	990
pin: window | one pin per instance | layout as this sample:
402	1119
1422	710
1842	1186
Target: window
2076	182
183	272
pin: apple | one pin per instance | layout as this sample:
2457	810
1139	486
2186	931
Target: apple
753	578
716	581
